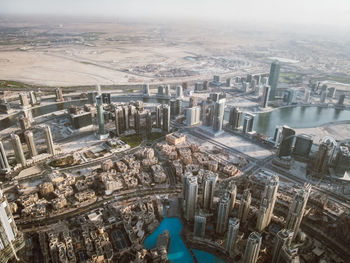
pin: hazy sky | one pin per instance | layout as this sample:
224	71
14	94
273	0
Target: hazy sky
319	12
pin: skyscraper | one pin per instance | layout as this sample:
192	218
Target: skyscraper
49	141
303	144
219	110
17	147
4	165
100	117
283	238
235	118
179	92
244	206
116	122
24	100
252	249
145	88
126	117
137	122
265	96
160	91
30	143
10	239
223	214
200	221
323	156
209	183
231	190
193	116
159	116
297	209
166	118
341	100
273	79
167	90
59	95
191	197
232	234
268	200
248	122
286	142
148	123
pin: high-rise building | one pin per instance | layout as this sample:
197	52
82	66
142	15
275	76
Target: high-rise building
231	190
209	182
245	86
232	234
33	98
302	147
268	200
10	239
137	122
179	92
145	88
307	96
223	214
265	96
342	159
172	104
160	91
331	92
193	102
92	97
248	122
323	157
216	80
228	82
116	121
193	116
219	110
200	221
100	117
17	147
149	123
288	255
59	95
30	143
341	100
126	117
273	79
166	118
98	90
167	90
106	98
252	249
235	118
4	165
297	209
24	123
159	116
191	197
49	141
323	96
178	106
81	120
286	142
277	135
24	100
244	207
283	238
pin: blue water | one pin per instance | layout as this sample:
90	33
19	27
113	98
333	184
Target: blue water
178	252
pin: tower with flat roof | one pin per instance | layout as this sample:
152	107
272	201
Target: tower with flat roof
244	206
268	200
232	234
297	209
252	249
49	141
200	221
191	197
4	165
223	214
30	143
273	79
209	183
17	147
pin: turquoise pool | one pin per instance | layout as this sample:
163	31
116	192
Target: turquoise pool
178	252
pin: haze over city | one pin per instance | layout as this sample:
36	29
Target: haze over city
174	131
